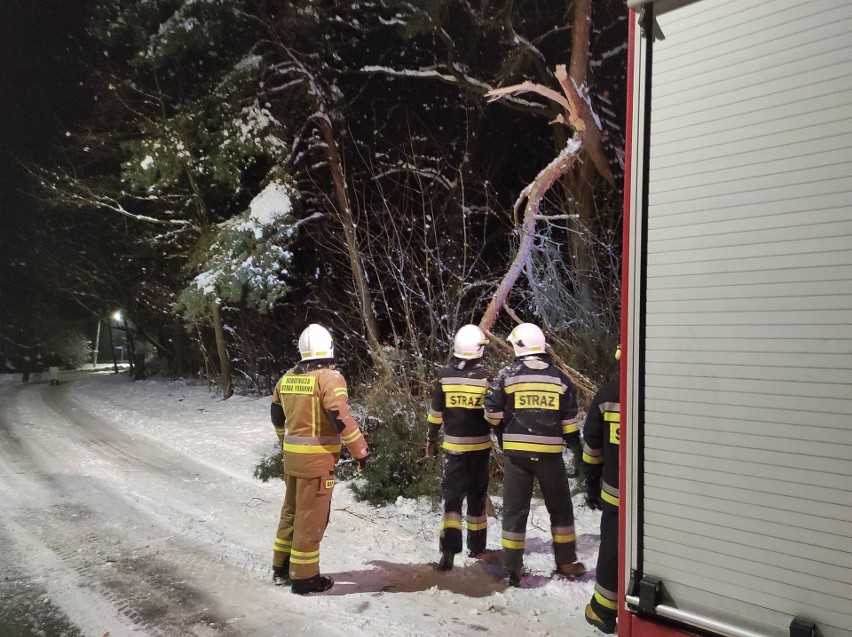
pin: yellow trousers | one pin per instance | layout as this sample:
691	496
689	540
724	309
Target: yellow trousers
304	518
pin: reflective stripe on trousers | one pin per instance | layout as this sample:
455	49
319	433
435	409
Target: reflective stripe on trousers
303	520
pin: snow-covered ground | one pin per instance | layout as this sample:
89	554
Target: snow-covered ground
176	465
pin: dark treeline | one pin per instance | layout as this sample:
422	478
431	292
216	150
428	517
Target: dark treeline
245	167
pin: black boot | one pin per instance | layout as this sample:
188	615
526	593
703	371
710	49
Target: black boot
315	584
446	562
605	625
281	575
515	578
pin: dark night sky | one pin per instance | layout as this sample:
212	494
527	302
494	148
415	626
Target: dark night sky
40	95
39	92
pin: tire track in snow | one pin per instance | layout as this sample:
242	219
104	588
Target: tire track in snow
118	550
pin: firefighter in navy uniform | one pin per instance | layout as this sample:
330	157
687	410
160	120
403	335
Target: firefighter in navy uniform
310	413
533	406
601	440
457	404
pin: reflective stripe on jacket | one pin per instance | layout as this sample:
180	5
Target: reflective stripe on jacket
457	406
534	405
317	419
602	438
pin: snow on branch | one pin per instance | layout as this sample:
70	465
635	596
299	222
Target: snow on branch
424	73
409	169
67	189
433	73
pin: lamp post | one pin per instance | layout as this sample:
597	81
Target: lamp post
127	347
117	315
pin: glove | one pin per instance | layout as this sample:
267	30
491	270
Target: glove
593	494
572	441
431	450
362	462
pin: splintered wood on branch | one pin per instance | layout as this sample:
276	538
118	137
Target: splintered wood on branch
533	193
579	110
587	136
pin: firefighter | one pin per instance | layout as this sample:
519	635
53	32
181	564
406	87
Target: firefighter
601	438
311	416
457	404
533	406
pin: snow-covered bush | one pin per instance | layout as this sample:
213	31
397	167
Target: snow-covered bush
396	433
73	348
247	260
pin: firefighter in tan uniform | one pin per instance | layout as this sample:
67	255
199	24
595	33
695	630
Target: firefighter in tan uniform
310	413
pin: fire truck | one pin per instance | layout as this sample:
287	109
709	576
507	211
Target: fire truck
736	378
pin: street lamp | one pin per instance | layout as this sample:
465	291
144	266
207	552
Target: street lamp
115	316
118	316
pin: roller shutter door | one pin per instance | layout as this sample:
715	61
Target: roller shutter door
748	313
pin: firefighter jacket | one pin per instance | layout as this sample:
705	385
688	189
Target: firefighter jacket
457	404
310	413
601	440
533	404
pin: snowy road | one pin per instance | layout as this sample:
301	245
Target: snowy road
130	509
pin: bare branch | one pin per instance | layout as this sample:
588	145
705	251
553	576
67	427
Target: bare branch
534	193
67	189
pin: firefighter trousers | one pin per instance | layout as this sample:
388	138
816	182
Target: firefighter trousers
304	518
465	478
518	479
605	598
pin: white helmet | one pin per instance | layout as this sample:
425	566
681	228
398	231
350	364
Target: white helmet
527	338
469	343
315	343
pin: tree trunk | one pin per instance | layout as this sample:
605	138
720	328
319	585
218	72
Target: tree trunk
580	181
177	359
580	32
112	347
131	349
344	213
344	210
139	370
587	135
222	351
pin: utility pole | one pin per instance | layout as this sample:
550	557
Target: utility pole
97	344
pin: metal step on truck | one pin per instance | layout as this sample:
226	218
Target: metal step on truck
736	396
